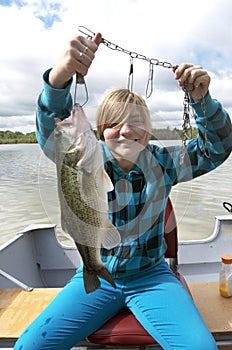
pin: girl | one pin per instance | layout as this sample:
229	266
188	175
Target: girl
143	175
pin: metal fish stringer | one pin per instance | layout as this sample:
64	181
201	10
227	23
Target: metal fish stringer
186	127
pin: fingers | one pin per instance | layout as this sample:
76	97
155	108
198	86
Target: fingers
194	78
81	52
188	73
76	58
97	39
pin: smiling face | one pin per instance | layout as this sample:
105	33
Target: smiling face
126	140
123	122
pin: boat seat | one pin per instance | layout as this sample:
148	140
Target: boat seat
124	329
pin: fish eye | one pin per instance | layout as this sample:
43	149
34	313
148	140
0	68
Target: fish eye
58	132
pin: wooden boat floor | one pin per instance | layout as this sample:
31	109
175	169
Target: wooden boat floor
18	308
215	309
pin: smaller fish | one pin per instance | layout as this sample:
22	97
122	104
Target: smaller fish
82	187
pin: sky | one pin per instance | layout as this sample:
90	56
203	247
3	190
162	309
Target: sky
34	34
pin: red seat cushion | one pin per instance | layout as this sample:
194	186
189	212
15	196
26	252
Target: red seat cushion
123	329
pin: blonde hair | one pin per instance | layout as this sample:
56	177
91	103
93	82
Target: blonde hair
114	110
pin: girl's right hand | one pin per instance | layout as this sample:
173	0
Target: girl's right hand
77	58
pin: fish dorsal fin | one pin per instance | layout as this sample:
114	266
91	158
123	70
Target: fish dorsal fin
112	237
107	181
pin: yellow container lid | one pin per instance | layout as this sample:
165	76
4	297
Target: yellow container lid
227	259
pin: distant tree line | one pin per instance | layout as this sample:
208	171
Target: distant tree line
172	134
157	134
17	137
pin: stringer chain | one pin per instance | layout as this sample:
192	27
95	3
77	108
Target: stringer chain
186	126
132	54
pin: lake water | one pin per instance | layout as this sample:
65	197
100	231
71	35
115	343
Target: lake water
28	195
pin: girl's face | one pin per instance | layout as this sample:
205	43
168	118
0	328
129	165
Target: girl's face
126	140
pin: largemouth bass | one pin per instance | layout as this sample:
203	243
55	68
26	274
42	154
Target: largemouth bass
82	187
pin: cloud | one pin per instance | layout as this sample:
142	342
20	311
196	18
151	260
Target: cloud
174	32
23	123
47	11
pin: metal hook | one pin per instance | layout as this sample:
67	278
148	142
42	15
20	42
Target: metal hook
130	77
149	88
80	81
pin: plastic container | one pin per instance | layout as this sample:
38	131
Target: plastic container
225	277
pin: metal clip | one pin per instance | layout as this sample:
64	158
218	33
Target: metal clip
149	88
131	75
80	81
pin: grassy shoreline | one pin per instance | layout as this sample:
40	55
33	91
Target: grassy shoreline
11	137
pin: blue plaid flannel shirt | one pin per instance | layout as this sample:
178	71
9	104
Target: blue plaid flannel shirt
137	204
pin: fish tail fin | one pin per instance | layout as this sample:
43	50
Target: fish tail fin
105	274
91	280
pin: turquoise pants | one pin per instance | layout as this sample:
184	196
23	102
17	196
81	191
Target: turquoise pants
155	296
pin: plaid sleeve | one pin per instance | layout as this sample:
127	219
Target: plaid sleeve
217	127
52	103
207	153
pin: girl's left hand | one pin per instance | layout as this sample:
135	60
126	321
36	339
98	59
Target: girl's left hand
194	78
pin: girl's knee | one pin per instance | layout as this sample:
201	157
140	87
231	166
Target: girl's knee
31	340
199	342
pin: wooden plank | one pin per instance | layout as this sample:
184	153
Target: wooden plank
19	308
215	310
